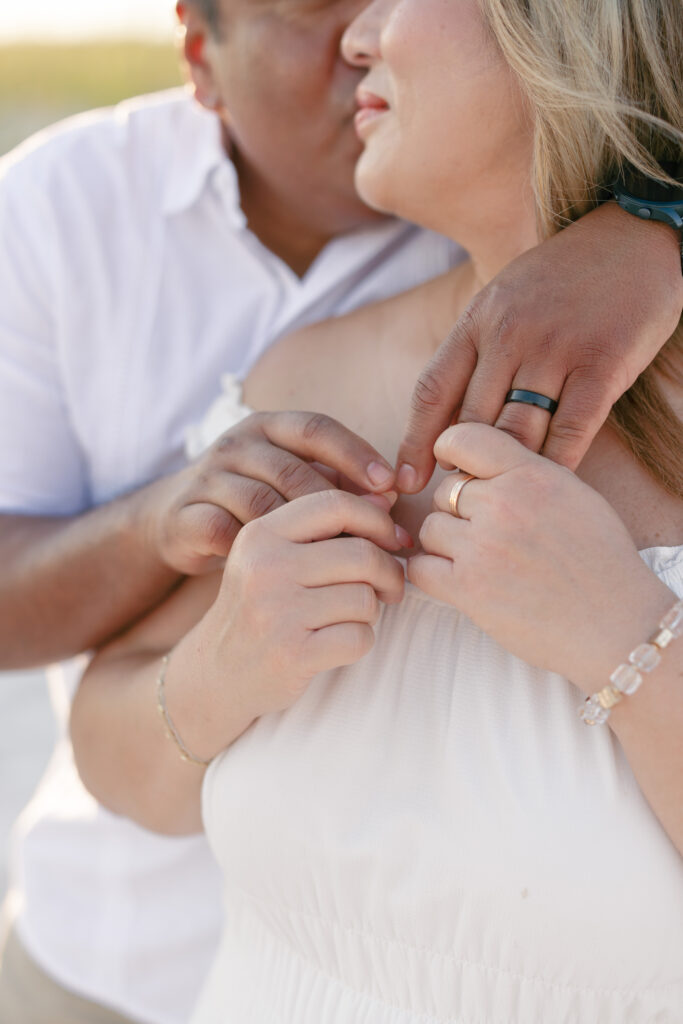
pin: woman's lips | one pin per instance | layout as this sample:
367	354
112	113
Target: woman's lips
370	108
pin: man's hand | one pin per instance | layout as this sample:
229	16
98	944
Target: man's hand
261	463
577	318
127	555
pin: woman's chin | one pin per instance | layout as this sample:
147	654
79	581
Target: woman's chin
376	189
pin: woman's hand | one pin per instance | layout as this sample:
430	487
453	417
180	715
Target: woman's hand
298	596
539	560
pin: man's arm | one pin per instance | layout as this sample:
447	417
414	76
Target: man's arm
577	318
72	578
68	584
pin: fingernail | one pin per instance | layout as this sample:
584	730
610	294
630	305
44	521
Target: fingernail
378	474
407	478
403	537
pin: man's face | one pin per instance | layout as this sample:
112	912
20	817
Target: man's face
289	101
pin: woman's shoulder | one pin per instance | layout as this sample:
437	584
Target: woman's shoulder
298	364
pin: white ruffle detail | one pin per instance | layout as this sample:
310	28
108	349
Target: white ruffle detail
227	410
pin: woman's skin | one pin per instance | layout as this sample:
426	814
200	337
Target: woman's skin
448	144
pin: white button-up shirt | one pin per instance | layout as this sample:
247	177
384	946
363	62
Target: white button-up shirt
129	282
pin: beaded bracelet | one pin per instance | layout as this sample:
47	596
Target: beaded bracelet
169	725
627	677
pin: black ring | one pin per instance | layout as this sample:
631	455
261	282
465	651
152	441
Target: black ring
532	398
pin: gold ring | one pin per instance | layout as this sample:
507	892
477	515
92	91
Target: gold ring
455	494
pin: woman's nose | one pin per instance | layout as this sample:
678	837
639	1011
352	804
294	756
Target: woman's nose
360	42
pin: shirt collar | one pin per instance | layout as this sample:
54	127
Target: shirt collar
199	156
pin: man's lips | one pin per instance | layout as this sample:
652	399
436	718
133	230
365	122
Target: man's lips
370	107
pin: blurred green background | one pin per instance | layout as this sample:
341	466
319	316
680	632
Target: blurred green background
42	82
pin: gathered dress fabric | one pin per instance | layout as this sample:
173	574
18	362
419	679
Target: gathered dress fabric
432	836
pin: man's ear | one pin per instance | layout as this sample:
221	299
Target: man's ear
194	35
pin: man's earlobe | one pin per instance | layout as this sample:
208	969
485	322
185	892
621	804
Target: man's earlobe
194	48
193	38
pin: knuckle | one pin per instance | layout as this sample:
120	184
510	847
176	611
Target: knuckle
316	425
203	479
225	445
428	393
550	341
465	331
219	530
522	434
540	479
469	320
505	328
568	432
292	477
599	386
525	498
195	480
465	434
260	501
517	423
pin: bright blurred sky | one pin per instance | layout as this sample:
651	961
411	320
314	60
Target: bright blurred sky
75	19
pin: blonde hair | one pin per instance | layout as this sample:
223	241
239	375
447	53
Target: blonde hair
604	79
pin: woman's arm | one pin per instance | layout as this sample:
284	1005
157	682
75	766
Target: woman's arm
543	563
295	599
122	752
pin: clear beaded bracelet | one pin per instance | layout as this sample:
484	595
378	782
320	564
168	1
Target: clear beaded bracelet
628	676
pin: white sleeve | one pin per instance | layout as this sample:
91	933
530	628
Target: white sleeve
42	469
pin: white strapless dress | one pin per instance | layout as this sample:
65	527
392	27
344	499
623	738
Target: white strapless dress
432	836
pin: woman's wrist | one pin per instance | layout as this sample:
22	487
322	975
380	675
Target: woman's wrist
204	707
630	621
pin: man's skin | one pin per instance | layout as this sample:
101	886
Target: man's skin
561	335
577	318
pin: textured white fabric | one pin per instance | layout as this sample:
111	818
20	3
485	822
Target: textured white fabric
433	836
129	284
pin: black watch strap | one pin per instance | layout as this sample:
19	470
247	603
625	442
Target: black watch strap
653	200
648	189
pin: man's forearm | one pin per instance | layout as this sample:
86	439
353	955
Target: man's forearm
69	584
